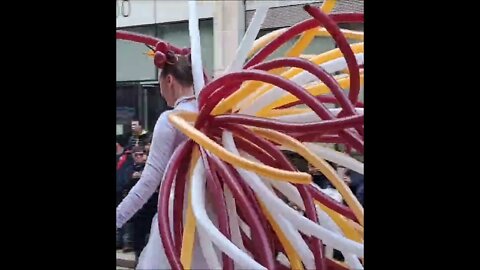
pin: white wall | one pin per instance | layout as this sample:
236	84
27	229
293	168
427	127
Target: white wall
160	11
251	5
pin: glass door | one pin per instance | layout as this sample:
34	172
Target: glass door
153	103
128	105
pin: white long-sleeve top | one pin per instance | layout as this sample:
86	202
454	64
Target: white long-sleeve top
165	140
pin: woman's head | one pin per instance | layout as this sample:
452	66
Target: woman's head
176	79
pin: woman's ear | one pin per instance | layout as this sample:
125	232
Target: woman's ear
169	79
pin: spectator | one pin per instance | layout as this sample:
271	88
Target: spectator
124	170
355	182
124	161
140	137
318	178
360	193
142	220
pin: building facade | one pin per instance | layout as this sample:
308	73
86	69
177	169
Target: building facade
222	25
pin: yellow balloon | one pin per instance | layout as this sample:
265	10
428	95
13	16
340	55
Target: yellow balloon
319	32
294	177
342	222
316	89
264	40
188	240
328	6
243	92
284	112
295	262
319	163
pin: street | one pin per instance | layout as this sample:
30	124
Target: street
125	259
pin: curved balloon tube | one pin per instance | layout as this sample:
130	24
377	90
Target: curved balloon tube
215	190
323	99
297	29
327	219
306	115
308	36
287	127
302	78
163	219
233	222
264	103
302	223
216	149
289	248
317	89
148	40
336	157
267	255
229	102
196	53
319	32
178	203
320	164
285	164
292	236
186	254
209	228
248	38
320	74
293	88
343	45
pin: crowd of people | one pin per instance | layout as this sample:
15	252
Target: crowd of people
353	179
132	153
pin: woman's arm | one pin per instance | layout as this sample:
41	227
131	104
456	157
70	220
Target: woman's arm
161	149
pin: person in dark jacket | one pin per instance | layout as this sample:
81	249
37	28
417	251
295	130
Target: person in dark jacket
124	165
124	170
360	193
142	220
355	182
140	136
318	178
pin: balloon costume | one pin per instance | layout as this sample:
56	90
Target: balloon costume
225	193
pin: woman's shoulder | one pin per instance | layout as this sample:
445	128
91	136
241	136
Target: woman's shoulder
162	120
187	106
190	106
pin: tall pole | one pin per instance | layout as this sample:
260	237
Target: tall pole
228	30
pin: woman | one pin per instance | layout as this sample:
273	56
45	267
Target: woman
176	87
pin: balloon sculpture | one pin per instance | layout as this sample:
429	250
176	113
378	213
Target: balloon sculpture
233	158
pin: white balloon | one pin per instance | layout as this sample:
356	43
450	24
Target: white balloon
245	228
208	228
283	259
292	234
302	78
335	156
233	222
302	223
207	250
196	50
324	219
248	39
310	116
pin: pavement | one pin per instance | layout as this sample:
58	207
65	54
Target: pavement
125	258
